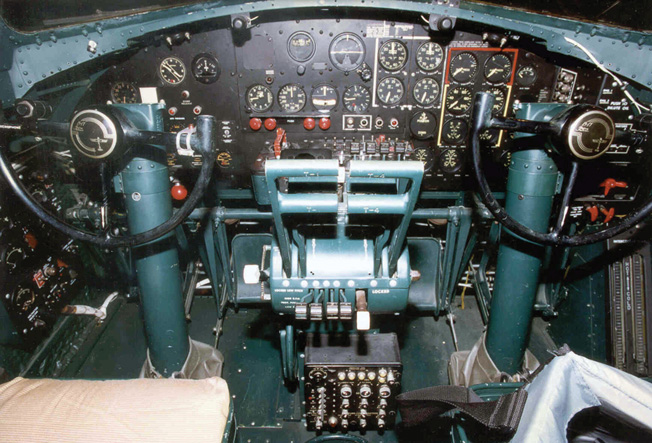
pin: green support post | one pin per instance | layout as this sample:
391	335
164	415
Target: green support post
531	186
146	185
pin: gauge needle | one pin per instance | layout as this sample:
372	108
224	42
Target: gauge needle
494	71
452	105
172	71
423	99
458	70
389	94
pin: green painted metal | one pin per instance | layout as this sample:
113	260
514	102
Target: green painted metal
146	186
41	55
531	186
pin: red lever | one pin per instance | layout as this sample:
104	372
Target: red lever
281	139
608	215
593	210
610	183
178	191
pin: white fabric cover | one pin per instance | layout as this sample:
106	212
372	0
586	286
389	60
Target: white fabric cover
569	384
140	410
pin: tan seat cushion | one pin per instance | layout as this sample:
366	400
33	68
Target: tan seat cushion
142	410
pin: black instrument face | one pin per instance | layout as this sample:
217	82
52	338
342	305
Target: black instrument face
590	134
526	75
260	98
459	100
429	56
392	55
172	70
390	91
500	97
205	68
124	92
463	67
498	68
301	46
357	99
347	52
291	98
455	131
426	91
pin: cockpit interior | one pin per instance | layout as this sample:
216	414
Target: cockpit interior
325	221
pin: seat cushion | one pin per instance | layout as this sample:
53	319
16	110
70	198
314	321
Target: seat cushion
143	410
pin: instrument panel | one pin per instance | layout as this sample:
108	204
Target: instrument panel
328	80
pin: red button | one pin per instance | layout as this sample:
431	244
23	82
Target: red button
309	123
255	124
172	111
270	124
324	123
179	192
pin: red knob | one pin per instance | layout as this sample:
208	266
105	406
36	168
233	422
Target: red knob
270	124
255	124
324	123
608	214
179	192
610	183
309	123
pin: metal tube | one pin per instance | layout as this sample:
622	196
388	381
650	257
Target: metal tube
531	186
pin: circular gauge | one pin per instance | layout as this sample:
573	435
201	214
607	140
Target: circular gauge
489	136
390	90
425	156
124	92
260	98
356	99
224	160
500	97
346	52
429	56
24	299
526	75
454	131
172	70
426	91
463	67
14	257
458	100
292	98
498	68
324	97
392	55
206	68
450	161
423	125
301	46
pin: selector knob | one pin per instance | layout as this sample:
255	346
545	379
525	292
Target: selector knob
381	423
346	391
384	391
363	413
344	413
365	391
344	424
363	423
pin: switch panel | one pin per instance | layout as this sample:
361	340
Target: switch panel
351	381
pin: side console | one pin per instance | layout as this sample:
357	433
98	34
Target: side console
353	383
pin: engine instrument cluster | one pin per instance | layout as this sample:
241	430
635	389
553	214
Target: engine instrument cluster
325	80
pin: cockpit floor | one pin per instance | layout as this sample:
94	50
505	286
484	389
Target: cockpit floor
266	410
